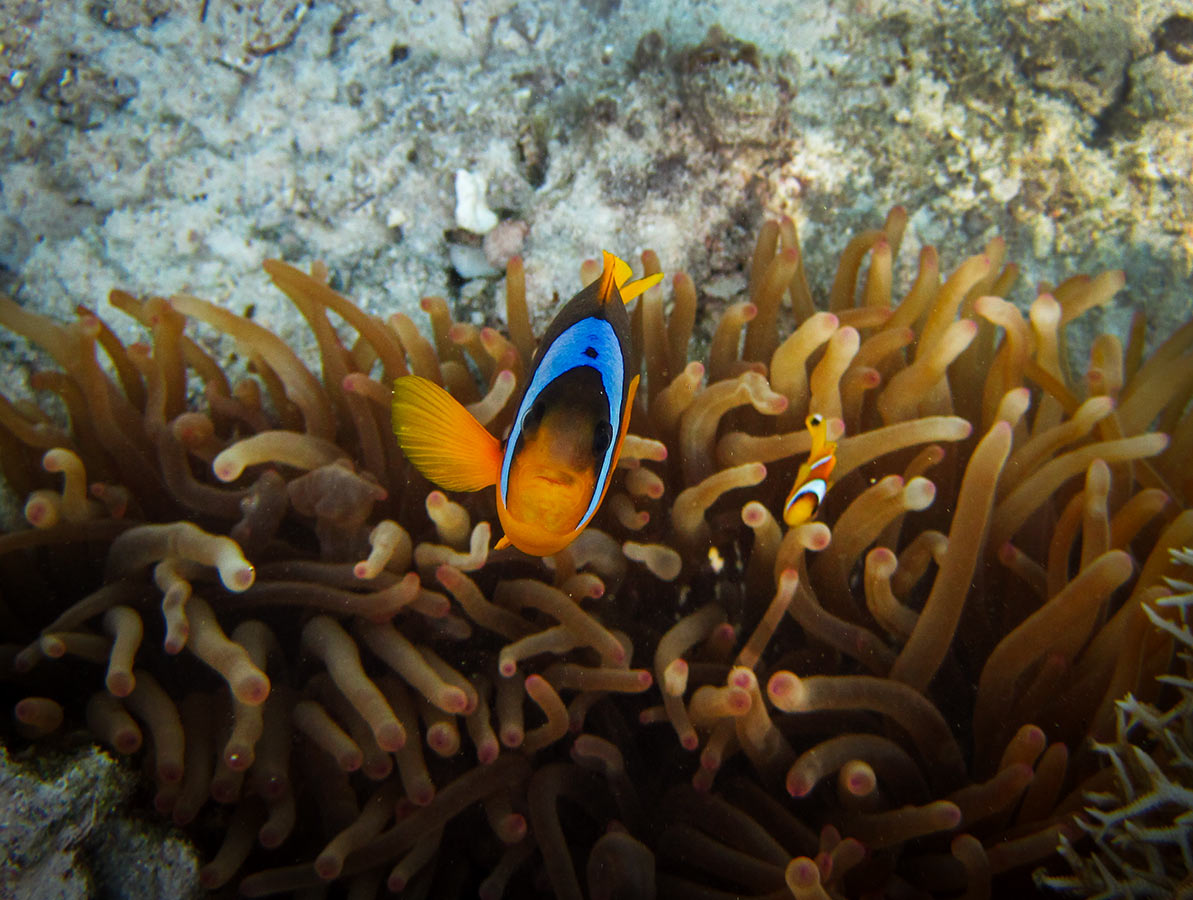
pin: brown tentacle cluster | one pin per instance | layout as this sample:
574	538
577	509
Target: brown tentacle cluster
895	698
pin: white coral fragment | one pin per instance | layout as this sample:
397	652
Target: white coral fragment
471	212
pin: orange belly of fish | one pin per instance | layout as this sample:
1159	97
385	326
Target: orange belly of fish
552	498
552	477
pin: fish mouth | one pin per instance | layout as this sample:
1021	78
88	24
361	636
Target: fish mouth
558	477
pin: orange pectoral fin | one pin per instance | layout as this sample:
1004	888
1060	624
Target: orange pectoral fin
441	438
625	418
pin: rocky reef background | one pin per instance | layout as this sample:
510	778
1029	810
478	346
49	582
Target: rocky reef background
166	146
169	145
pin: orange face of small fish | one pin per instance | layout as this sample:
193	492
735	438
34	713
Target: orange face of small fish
567	433
812	479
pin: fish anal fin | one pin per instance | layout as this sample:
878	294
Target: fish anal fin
441	438
641	286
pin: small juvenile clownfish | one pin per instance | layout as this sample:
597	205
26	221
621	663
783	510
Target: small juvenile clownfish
567	433
811	481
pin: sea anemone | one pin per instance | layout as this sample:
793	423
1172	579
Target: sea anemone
280	617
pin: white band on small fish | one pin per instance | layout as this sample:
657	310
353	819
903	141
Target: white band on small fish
817	487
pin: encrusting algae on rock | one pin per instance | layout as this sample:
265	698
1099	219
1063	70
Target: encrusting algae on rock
330	674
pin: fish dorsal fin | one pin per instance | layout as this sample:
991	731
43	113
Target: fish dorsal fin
617	272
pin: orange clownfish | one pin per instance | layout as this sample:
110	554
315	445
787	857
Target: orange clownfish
811	481
567	433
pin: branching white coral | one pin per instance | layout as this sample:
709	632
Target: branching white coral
1142	832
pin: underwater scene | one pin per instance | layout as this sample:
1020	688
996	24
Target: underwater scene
599	450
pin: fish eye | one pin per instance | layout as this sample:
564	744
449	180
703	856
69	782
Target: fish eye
816	419
590	352
601	436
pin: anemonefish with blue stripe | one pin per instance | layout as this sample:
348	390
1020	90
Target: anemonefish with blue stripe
812	479
567	433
